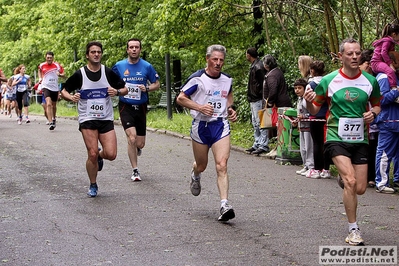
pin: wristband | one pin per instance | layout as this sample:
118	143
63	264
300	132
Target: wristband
374	114
147	88
118	92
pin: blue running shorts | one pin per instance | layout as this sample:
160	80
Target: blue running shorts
209	132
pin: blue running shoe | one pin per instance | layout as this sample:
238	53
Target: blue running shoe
100	161
92	190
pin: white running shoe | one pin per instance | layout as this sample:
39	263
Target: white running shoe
315	174
385	190
303	170
325	174
354	238
135	175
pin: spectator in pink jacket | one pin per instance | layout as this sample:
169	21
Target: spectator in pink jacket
381	62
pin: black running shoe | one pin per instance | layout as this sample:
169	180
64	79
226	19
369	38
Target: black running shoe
227	213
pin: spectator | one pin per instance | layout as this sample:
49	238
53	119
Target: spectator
364	64
380	61
317	127
305	139
304	62
275	89
255	98
388	139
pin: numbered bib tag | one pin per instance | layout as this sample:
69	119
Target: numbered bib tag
52	81
351	129
134	92
96	107
217	106
21	88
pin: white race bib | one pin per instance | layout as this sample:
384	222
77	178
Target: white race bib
134	92
351	129
217	104
96	107
21	88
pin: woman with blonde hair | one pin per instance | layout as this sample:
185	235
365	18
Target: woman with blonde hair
304	62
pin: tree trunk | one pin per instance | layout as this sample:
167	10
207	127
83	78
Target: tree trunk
269	43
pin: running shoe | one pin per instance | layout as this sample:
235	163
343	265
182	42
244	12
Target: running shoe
306	172
52	126
92	190
48	123
27	120
354	238
315	174
385	190
341	183
100	161
195	184
135	175
250	150
325	174
138	152
6	113
226	213
19	121
303	170
10	115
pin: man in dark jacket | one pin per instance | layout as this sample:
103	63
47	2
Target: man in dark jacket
255	99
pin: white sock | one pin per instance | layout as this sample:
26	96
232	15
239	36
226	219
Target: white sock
223	202
352	226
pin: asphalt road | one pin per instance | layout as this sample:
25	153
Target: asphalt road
46	217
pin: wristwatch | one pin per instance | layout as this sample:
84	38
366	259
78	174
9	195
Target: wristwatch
374	114
118	92
147	88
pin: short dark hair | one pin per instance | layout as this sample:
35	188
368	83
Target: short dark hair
93	43
301	82
252	52
132	39
50	53
366	56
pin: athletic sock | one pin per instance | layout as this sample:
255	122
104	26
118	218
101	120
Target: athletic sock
223	202
353	226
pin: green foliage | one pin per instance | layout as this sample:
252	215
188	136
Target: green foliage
183	29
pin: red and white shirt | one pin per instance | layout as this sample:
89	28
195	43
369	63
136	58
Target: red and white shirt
50	75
